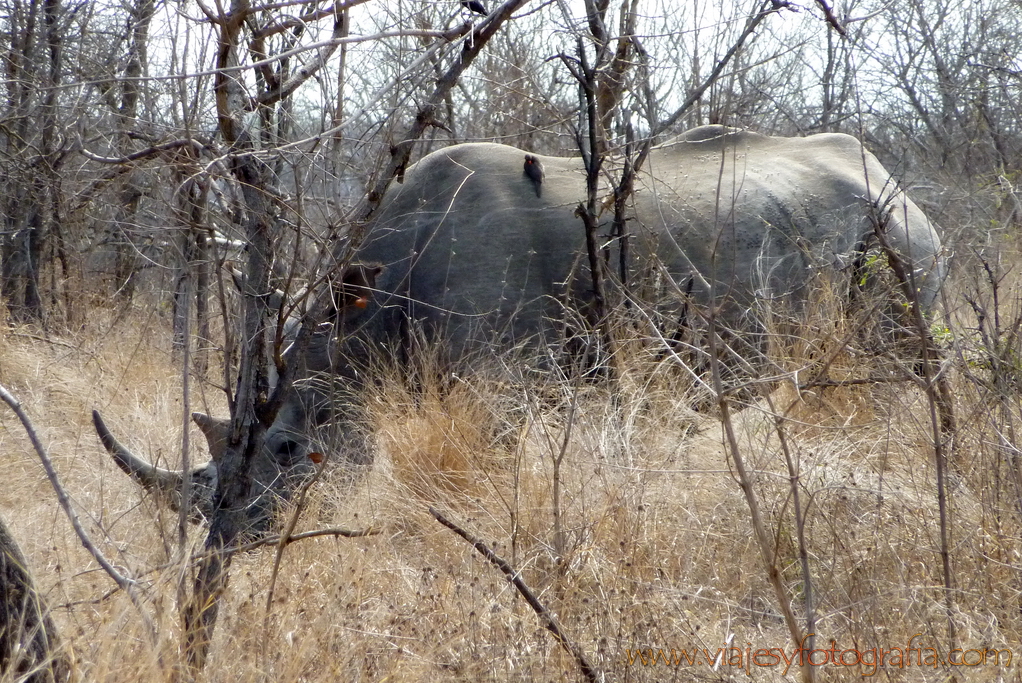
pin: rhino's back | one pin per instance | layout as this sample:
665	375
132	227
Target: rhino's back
758	214
469	245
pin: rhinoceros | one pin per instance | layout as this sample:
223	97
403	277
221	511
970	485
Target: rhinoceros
474	256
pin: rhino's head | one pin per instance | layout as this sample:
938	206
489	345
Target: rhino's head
291	448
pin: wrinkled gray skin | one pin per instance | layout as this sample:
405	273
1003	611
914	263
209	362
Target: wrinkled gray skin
473	256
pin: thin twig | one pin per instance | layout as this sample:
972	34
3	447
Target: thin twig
794	474
47	340
275	539
401	151
547	617
285	538
145	153
745	482
557	456
939	399
744	475
766	9
852	382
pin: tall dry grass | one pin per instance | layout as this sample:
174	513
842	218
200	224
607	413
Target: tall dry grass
615	502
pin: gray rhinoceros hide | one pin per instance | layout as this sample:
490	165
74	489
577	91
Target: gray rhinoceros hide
472	253
477	258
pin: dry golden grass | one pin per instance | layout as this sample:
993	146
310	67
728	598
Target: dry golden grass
649	547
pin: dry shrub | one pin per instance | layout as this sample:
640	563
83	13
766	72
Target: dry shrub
648	543
441	443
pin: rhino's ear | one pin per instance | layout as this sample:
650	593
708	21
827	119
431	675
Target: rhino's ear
357	284
215	431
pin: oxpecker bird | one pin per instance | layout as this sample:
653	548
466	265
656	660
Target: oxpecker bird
475	6
534	172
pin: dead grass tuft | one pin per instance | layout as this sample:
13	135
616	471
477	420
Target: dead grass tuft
615	501
441	444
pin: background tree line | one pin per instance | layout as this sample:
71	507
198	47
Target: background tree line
116	170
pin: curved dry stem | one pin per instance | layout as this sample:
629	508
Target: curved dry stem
547	617
128	585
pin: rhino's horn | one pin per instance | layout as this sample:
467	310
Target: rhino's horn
167	484
216	431
150	476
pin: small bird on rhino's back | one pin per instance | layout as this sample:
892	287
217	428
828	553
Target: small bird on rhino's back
474	6
534	172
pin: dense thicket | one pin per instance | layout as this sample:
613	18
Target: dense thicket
117	167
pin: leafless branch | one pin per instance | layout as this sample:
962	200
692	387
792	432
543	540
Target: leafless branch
745	482
145	153
285	538
769	7
828	13
128	585
548	618
307	18
401	152
939	399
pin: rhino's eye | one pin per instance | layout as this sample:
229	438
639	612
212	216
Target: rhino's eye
287	450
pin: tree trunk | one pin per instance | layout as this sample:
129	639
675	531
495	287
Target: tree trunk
28	638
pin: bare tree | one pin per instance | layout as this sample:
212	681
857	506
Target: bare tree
255	167
32	150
